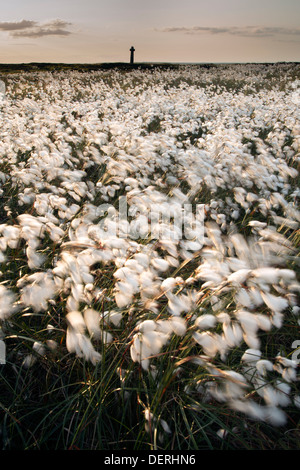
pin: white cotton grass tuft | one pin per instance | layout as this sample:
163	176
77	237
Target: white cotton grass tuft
251	356
92	322
205	321
178	325
35	260
211	343
51	344
38	291
270	414
151	423
112	317
160	264
269	275
264	366
123	299
76	340
264	322
239	277
106	337
170	283
81	345
165	426
28	361
243	298
146	326
8	305
233	334
234	290
276	304
297	401
177	304
152	336
76	321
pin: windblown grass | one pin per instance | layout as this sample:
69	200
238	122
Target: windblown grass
141	342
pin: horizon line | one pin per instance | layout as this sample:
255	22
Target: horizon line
153	63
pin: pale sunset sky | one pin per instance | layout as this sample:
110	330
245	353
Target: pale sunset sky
182	31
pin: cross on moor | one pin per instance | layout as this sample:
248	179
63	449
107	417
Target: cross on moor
132	49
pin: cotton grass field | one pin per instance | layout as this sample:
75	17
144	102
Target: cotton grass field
149	250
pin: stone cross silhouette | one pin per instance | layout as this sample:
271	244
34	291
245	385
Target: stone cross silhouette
132	49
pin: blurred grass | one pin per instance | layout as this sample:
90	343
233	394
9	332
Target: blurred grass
62	402
68	404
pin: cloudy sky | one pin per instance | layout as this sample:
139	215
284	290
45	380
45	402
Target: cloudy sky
93	31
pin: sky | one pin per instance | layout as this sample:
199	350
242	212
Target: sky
180	31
